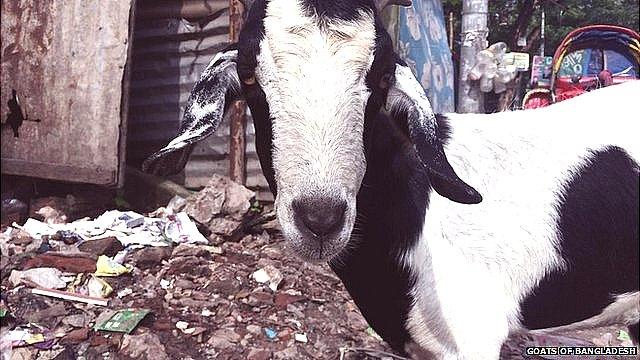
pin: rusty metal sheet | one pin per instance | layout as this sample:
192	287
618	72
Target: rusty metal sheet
66	61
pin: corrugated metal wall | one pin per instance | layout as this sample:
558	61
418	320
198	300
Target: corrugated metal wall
173	43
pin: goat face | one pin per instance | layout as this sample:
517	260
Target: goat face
312	72
317	73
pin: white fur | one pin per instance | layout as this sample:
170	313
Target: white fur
406	92
312	71
476	262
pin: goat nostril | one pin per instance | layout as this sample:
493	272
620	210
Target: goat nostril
320	215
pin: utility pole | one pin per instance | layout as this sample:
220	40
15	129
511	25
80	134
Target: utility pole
451	31
474	38
238	118
542	24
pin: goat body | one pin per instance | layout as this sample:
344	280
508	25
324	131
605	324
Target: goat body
553	241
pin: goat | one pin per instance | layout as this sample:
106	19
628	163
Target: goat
356	160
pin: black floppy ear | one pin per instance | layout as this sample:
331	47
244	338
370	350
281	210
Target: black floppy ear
406	100
209	100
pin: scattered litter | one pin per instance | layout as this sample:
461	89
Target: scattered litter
296	323
180	229
43	277
36	229
268	274
176	204
67	236
189	331
623	336
24	337
129	227
182	325
98	287
131	219
300	337
206	312
70	296
271	333
261	276
109	267
123	321
124	292
165	284
51	215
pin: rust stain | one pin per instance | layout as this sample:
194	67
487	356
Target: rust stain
72	82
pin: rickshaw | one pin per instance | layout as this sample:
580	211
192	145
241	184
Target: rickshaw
588	58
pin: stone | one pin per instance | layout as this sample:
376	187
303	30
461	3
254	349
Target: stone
202	251
68	262
184	284
151	257
283	299
224	338
221	197
109	246
223	226
76	336
48	315
77	321
144	346
259	354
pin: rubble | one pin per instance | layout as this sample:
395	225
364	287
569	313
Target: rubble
76	262
44	277
157	288
144	346
108	246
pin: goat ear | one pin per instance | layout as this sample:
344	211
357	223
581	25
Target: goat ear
406	100
209	100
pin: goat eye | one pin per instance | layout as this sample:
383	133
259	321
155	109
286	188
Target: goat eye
251	80
386	80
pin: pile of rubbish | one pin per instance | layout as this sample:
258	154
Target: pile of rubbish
206	277
203	277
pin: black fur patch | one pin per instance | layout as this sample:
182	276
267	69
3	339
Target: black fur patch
443	129
391	207
249	40
248	50
598	227
337	9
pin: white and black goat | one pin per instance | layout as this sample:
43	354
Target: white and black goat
351	149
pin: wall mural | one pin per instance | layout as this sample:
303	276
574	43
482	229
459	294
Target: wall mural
422	43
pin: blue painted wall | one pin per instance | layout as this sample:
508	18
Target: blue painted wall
422	43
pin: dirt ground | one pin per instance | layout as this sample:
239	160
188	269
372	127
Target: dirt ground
206	302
